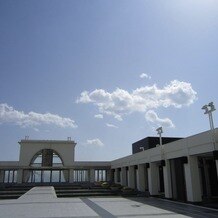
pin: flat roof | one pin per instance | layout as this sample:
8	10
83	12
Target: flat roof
23	141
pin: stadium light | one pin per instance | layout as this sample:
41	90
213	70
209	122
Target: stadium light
159	132
209	108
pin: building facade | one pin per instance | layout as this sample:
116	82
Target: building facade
51	161
184	170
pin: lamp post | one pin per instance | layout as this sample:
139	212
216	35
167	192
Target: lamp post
209	108
159	132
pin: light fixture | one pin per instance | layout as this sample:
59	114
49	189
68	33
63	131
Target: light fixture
159	132
209	108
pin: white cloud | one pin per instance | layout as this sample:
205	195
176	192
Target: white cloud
151	116
144	75
9	115
111	125
118	117
95	142
84	97
99	116
121	102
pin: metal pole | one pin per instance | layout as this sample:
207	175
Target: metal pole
208	110
212	124
160	140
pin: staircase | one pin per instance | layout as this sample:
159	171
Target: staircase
82	190
13	192
64	190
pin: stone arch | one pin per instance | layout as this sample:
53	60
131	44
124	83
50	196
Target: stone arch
29	148
41	151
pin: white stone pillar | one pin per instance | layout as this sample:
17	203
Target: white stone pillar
131	177
92	175
207	178
123	176
217	168
19	175
66	174
215	156
167	180
116	175
71	176
153	179
26	175
108	175
112	172
141	178
1	176
192	180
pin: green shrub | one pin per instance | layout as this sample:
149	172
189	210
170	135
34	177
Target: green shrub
105	184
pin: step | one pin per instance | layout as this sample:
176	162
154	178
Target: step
10	196
69	195
83	190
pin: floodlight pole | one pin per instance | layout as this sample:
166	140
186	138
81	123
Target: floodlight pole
159	132
209	108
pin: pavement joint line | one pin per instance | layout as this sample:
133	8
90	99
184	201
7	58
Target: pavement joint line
193	205
99	210
180	210
39	202
144	215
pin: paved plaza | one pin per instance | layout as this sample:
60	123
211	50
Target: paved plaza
42	202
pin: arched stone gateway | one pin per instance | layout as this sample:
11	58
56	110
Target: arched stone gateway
46	160
51	161
30	148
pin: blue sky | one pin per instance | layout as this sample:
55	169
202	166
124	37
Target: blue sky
105	73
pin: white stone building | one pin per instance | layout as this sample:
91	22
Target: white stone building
185	170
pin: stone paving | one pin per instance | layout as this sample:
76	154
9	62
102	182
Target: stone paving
41	202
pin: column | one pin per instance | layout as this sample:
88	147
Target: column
123	176
66	174
112	175
167	179
153	179
141	178
116	175
131	177
1	176
71	176
215	155
173	179
19	175
217	168
92	175
26	175
192	180
207	178
109	175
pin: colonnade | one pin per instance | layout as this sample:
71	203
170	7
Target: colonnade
70	175
179	178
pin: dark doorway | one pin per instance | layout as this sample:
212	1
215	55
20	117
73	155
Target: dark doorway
178	179
212	177
209	179
161	179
